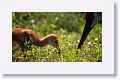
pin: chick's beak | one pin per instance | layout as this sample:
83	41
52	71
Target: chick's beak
58	48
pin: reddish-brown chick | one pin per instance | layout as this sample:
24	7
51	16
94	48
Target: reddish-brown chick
20	34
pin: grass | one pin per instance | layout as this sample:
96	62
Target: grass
91	50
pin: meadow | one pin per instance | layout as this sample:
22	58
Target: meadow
69	27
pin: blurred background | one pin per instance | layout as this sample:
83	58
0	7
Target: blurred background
49	21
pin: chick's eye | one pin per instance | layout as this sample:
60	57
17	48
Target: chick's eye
56	42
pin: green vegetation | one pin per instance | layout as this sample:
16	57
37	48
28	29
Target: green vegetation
69	27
